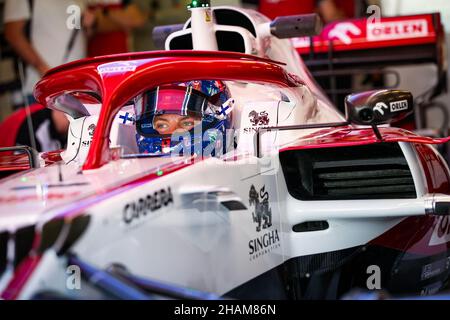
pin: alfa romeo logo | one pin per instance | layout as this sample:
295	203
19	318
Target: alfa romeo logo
262	214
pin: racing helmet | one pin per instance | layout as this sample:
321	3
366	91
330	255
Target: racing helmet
194	107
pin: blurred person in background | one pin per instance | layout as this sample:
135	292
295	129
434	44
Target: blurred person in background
49	129
329	10
114	21
335	10
38	32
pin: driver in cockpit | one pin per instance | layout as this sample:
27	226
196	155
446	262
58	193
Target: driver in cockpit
190	107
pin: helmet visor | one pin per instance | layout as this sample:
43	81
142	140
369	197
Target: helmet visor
165	110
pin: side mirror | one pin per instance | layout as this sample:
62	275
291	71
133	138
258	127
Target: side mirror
437	205
302	25
16	159
378	107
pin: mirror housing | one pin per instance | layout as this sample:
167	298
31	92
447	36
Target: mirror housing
17	159
437	205
378	107
302	25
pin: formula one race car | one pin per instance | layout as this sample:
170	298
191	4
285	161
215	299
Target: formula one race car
206	174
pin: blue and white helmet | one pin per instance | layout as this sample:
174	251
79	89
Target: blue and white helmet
208	101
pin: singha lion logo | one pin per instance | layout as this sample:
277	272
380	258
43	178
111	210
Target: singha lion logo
262	210
261	119
91	130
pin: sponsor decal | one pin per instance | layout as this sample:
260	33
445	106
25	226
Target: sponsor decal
441	232
262	216
126	117
250	130
379	108
262	210
397	106
343	32
117	67
397	30
208	16
257	120
261	119
35	197
435	268
431	289
264	244
91	130
136	210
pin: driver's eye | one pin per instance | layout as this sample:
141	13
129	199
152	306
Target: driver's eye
161	125
187	123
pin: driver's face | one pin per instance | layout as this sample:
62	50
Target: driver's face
170	123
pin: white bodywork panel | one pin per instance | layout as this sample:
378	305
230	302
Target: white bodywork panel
194	241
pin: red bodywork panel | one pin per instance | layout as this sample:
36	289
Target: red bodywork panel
358	34
349	136
434	168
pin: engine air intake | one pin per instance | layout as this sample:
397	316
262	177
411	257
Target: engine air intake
378	171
